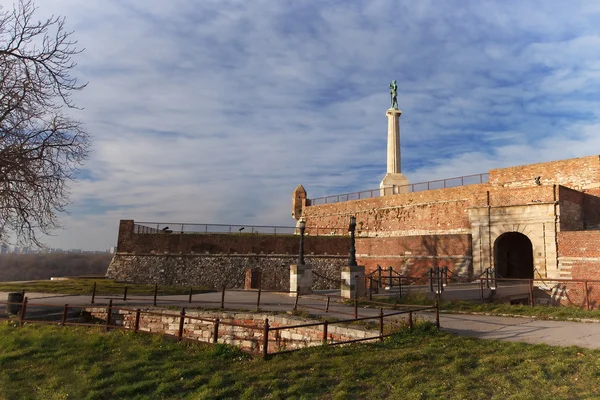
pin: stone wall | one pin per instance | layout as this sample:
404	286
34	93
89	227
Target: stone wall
576	173
223	243
219	270
248	334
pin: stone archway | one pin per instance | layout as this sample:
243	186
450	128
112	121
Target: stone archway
513	256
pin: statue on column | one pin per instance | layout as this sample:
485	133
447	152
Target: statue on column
393	94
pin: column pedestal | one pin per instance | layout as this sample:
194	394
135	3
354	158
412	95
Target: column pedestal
300	279
353	280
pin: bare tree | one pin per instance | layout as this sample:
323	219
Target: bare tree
41	146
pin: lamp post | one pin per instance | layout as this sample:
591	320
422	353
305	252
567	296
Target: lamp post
301	253
351	228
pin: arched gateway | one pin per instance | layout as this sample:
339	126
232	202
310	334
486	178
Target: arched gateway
513	256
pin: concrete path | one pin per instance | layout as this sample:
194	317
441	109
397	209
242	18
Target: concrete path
559	333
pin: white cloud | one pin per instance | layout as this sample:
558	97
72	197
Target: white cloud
215	111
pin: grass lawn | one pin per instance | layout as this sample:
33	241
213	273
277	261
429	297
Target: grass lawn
538	311
85	286
46	362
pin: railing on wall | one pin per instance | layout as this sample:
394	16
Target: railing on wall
180	227
414	187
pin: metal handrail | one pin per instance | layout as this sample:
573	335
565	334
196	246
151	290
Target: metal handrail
413	187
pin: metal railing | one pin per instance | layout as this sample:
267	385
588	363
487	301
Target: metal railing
182	227
191	228
414	187
127	318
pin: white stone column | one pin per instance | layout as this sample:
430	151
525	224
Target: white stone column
394	181
353	280
300	279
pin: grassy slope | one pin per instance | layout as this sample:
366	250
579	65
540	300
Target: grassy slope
85	286
538	311
47	362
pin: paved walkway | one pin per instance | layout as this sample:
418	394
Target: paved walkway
530	330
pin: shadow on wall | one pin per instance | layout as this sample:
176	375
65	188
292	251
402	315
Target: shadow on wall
415	255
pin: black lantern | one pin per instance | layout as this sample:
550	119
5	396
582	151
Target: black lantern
302	227
352	228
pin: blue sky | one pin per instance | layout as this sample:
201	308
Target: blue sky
213	111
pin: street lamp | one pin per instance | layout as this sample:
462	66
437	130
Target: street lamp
302	227
351	228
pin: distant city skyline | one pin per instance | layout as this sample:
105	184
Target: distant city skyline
213	112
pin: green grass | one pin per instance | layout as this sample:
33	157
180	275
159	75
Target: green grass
45	362
538	311
103	286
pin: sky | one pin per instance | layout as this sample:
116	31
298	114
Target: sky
213	111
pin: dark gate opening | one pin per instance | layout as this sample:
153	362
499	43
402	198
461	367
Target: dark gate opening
513	256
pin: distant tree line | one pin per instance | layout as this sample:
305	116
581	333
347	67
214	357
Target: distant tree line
24	267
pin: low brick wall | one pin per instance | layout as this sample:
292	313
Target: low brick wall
248	335
219	270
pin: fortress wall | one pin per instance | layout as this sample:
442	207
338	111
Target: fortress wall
576	173
429	212
224	243
571	209
414	255
218	270
591	208
500	196
579	254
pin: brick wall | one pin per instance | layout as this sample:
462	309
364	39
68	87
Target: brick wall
248	335
591	208
571	209
414	255
576	173
442	210
188	243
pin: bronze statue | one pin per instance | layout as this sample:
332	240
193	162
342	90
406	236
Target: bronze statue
393	93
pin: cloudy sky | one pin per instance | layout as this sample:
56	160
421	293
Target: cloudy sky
213	111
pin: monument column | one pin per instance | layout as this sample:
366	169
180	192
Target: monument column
394	181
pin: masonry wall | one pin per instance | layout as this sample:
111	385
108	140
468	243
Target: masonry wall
414	255
429	212
188	243
571	209
221	270
576	173
248	334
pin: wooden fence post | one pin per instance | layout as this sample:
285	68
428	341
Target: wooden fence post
190	298
531	292
296	301
125	294
327	305
136	328
108	312
381	324
437	314
181	322
258	300
223	298
23	311
587	297
266	339
325	324
216	330
355	304
64	316
94	293
155	293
